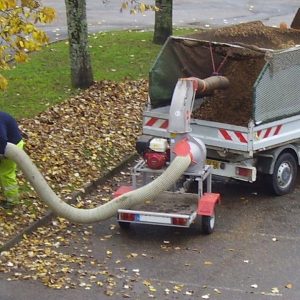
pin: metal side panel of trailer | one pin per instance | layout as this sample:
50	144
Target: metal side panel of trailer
219	136
252	139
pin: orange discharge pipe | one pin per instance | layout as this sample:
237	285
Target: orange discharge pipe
209	84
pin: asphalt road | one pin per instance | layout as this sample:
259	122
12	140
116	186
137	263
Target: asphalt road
252	254
105	15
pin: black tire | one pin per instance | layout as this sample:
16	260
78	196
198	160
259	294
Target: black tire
124	225
283	179
208	224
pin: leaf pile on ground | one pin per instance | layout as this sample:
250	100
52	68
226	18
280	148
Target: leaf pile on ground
45	254
76	142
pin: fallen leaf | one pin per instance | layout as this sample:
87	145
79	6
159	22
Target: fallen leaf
133	254
189	293
275	290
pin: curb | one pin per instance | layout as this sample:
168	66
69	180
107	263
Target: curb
87	189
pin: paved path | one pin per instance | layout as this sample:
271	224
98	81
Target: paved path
253	254
204	13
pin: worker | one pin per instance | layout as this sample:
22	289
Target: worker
9	133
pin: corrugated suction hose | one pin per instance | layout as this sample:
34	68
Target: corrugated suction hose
209	84
107	210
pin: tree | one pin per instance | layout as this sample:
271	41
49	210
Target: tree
18	32
81	69
163	27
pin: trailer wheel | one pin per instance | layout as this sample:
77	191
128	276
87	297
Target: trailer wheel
283	179
208	224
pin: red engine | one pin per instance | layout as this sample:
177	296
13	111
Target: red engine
155	151
156	160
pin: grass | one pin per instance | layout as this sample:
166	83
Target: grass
45	79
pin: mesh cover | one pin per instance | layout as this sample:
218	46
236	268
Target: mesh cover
283	60
277	91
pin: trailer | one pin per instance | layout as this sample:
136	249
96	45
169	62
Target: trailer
258	136
176	207
268	145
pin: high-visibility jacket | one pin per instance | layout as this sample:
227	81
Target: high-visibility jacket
9	131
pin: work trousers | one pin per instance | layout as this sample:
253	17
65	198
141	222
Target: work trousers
8	178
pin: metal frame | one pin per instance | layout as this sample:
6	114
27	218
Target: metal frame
158	218
141	169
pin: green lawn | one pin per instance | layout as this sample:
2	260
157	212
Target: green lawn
45	79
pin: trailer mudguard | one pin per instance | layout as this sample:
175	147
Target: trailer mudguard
207	203
266	160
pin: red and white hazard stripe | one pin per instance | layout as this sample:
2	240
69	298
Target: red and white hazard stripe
240	137
156	122
234	136
263	134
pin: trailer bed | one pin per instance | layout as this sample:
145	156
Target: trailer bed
168	209
169	202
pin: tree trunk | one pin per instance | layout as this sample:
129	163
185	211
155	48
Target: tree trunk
81	69
163	21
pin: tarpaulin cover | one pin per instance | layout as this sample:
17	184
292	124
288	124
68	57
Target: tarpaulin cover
186	57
